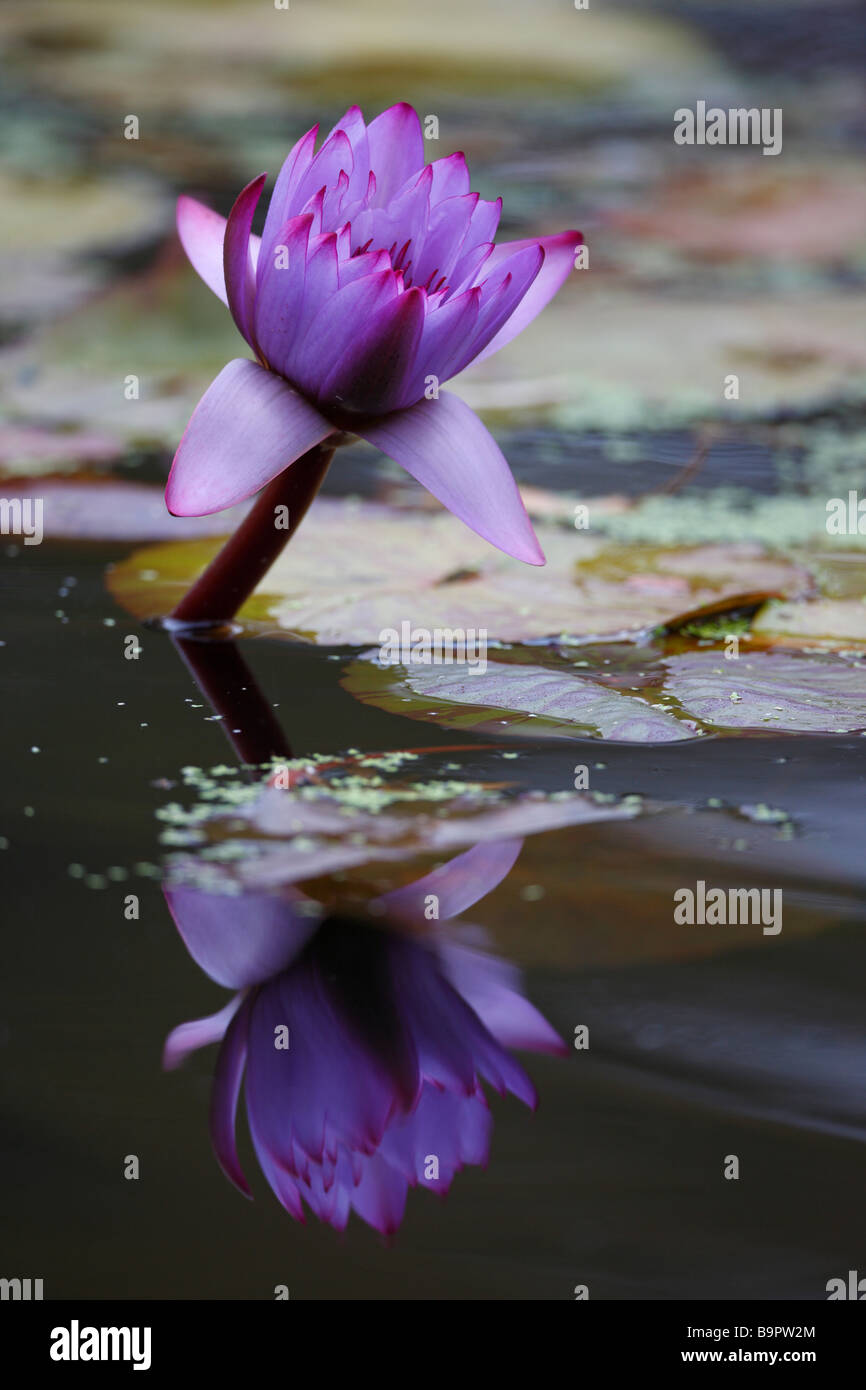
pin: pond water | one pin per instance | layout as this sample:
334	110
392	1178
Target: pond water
699	1049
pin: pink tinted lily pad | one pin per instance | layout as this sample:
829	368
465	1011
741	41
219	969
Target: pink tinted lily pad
357	568
98	509
532	701
784	691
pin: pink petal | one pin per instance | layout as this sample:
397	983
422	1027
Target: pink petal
353	127
396	145
240	940
558	263
248	426
404	221
477	245
294	167
447	330
444	445
446	231
321	284
200	1032
372	373
332	204
501	294
283	1185
282	282
492	989
458	884
224	1097
240	271
357	267
380	1197
468	270
334	157
201	232
341	325
450	177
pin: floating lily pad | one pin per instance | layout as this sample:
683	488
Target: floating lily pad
33	451
356	569
534	701
770	690
798	351
738	210
816	622
634	694
100	509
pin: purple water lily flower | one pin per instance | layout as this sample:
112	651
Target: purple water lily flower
389	1039
376	279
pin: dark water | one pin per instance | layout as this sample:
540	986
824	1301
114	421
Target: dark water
705	1043
756	1049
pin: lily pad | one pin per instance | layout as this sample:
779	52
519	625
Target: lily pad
102	509
815	622
739	210
356	569
641	692
529	700
770	690
795	353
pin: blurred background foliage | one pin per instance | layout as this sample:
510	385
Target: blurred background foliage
703	262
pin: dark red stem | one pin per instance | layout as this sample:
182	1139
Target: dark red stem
245	559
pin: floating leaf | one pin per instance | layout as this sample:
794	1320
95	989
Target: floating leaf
770	690
635	693
721	616
796	351
102	509
529	700
356	569
816	622
33	451
734	211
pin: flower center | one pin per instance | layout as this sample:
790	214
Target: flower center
402	262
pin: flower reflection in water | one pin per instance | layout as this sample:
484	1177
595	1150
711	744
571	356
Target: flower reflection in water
361	1043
